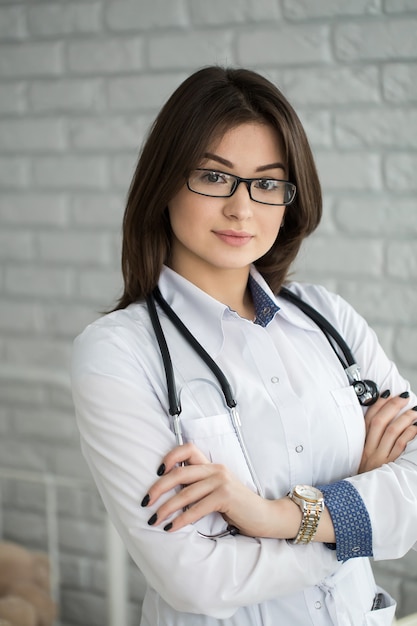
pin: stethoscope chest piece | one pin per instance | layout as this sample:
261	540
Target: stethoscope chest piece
367	392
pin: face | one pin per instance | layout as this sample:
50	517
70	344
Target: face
211	235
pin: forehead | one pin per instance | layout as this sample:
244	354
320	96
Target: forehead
251	143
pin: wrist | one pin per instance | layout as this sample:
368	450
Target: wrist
286	518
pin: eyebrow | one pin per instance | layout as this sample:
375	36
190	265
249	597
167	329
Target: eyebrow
261	168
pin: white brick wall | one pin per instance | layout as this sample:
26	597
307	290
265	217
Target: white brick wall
79	84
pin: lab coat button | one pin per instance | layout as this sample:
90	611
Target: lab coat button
299	448
274	379
266	310
317	605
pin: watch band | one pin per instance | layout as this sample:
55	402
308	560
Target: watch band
311	508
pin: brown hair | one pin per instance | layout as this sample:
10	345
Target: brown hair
208	103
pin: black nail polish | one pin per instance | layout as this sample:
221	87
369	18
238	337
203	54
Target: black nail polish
404	394
168	526
414	408
145	500
152	520
414	423
385	394
161	469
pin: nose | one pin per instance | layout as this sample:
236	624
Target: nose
239	206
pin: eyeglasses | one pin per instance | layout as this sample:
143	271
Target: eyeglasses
216	184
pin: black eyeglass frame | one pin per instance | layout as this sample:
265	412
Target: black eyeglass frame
248	182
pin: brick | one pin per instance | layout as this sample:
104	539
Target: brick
59	395
12	98
68	461
304	9
73	502
68	172
33	209
190	49
49	353
370	299
318	128
19	316
12	23
125	15
332	85
379	128
100	287
218	13
75	605
308	44
16	246
399	82
75	572
354	171
136	93
27	135
45	424
122	170
400	172
29	496
81	537
62	320
402	259
30	59
26	528
14	172
38	281
400	6
4	422
108	133
377	216
105	57
97	210
378	40
75	248
63	19
21	455
367	260
65	95
406	345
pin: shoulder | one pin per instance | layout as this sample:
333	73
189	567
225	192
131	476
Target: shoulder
112	340
332	306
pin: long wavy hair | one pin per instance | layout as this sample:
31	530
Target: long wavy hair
206	105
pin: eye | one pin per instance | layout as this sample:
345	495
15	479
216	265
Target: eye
267	184
211	176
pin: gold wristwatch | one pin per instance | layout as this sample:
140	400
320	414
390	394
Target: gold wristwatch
311	502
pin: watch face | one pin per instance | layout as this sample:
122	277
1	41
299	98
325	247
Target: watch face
308	493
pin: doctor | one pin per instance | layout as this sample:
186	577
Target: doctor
223	195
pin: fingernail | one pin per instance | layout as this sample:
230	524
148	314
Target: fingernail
152	519
386	393
414	423
145	500
414	408
168	526
161	469
404	394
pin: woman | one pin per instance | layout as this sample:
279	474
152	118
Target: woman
223	195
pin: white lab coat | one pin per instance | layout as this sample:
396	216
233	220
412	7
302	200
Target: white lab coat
302	423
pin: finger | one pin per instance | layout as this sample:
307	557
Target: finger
180	476
187	453
382	417
394	435
200	509
401	443
374	408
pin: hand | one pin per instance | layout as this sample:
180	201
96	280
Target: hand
210	487
386	434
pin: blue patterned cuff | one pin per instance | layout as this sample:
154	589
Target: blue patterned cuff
351	522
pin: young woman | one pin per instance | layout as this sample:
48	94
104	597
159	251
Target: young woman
260	507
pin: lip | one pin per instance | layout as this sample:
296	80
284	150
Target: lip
234	237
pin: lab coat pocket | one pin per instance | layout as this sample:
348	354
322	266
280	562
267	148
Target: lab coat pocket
216	437
383	616
353	420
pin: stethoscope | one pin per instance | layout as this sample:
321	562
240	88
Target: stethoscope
366	390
